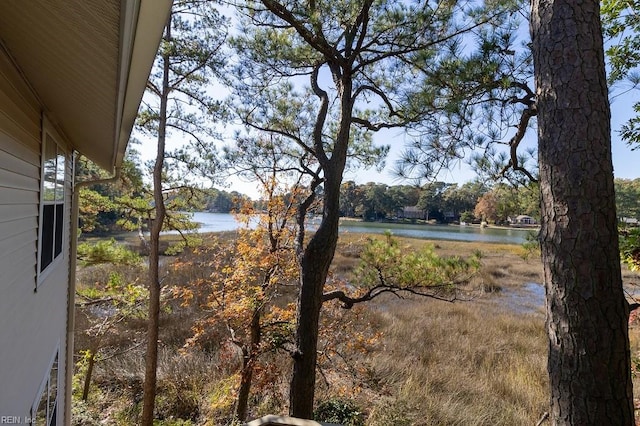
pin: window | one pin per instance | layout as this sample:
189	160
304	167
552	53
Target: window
45	408
52	200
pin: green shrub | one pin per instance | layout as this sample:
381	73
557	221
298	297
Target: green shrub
339	411
467	216
630	248
394	413
531	245
106	251
83	415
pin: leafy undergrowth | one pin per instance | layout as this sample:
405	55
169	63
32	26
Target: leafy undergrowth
387	362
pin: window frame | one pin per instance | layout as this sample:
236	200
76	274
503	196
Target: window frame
52	407
58	231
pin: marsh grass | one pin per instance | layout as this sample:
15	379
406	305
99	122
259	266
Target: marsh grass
399	361
439	363
462	363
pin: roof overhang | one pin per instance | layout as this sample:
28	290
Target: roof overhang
87	61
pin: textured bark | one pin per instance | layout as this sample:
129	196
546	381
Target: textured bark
315	263
317	256
589	361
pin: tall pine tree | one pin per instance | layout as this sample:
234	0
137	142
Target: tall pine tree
177	101
340	70
587	314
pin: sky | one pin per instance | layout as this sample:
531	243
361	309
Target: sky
626	162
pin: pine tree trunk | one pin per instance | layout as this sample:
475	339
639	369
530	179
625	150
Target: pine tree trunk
151	357
314	268
317	259
153	325
589	361
318	254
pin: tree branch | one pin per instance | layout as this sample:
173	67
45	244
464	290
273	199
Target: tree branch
288	135
372	293
317	41
515	142
378	92
320	118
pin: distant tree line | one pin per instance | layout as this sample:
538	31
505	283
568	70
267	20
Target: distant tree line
124	204
471	201
221	201
438	201
103	209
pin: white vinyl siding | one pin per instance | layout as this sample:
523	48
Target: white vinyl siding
33	323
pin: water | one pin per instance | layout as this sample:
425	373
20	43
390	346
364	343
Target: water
217	222
527	299
440	232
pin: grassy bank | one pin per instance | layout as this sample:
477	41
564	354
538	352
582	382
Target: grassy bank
410	361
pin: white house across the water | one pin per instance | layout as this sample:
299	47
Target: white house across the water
522	219
72	74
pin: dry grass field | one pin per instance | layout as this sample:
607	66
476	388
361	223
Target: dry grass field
410	361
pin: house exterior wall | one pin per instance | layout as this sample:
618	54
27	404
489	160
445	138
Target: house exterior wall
32	309
412	212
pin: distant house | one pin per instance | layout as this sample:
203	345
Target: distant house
412	212
522	220
72	74
631	221
450	216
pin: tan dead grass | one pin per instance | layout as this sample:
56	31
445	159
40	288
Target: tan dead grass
463	363
428	362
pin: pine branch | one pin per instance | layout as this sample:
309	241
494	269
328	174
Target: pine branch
515	142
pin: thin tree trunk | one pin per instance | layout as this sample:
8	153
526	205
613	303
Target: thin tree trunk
151	359
87	377
246	375
250	354
93	353
589	361
248	362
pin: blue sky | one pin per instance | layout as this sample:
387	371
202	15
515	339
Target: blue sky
625	161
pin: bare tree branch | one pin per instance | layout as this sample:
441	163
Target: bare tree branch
515	142
372	293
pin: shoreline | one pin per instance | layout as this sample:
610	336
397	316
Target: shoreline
422	222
